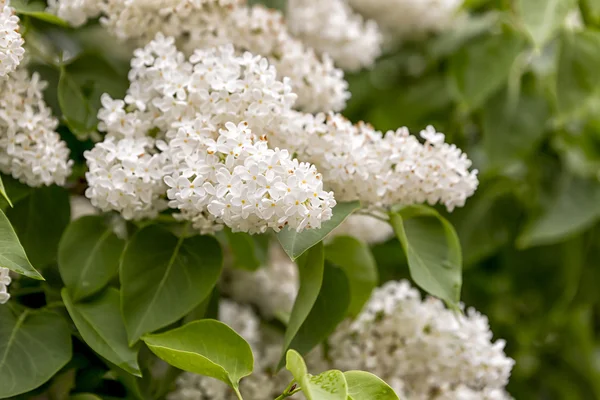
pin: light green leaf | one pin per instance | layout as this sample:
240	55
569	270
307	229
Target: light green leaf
164	277
512	131
39	220
330	385
578	76
3	193
88	256
482	67
12	254
575	208
100	324
33	347
36	9
355	259
366	386
543	18
243	249
432	249
295	244
311	267
591	11
207	347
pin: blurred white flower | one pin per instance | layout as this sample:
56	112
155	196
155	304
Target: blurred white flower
4	282
364	228
30	149
331	27
423	350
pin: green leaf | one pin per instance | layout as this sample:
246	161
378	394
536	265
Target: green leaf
478	70
3	193
15	190
330	385
578	77
36	9
243	249
575	208
512	131
77	112
84	396
295	244
39	221
100	324
12	254
88	256
207	347
164	277
356	260
33	347
543	18
591	11
366	386
432	249
311	268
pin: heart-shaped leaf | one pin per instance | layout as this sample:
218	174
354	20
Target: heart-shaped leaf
329	385
366	386
207	347
164	277
100	324
12	254
295	244
88	256
33	347
433	251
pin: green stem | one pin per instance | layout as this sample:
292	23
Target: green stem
288	391
237	393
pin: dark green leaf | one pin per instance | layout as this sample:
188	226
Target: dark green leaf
3	193
432	249
295	244
164	277
33	347
591	11
12	254
84	396
543	18
243	249
356	260
482	67
578	76
575	208
76	108
88	256
366	386
206	347
39	221
100	324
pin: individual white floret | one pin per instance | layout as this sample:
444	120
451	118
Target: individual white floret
333	28
30	149
4	282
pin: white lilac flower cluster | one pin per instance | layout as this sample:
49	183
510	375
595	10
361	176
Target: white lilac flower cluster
332	27
379	169
266	347
11	42
30	149
364	228
4	282
272	289
217	170
406	19
198	24
423	350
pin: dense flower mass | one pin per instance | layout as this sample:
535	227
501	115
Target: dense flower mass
404	19
218	171
4	282
379	169
30	149
423	350
11	42
198	24
365	228
331	27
